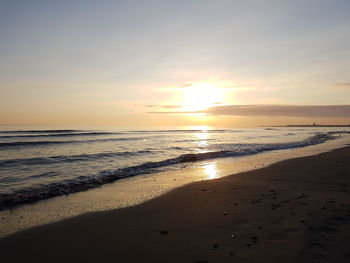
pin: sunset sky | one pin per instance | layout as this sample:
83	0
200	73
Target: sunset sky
160	63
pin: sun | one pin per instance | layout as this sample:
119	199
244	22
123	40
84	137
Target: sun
200	96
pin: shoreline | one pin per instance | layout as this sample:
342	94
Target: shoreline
139	189
254	216
70	186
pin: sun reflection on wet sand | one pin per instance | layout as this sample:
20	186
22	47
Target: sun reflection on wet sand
210	169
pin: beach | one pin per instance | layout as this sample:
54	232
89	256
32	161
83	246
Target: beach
175	131
296	210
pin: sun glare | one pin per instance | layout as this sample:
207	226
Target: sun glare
200	96
211	171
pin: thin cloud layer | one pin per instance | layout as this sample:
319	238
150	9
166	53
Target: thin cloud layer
343	84
163	106
325	111
315	111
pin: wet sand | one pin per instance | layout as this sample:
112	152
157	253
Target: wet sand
293	211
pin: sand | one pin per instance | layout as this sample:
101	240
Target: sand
297	210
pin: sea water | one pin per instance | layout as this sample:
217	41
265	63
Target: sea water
38	164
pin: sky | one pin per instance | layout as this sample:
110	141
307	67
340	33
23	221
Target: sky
174	63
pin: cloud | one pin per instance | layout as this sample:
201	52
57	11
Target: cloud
282	110
171	106
343	84
164	106
316	111
185	85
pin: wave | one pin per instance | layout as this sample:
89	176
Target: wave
41	131
45	175
87	182
44	143
68	158
59	135
184	131
131	131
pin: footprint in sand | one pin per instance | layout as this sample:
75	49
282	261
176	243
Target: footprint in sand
316	248
328	229
278	236
282	235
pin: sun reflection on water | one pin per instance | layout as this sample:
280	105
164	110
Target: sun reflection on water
210	169
202	135
203	140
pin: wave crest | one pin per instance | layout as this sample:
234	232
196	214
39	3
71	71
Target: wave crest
84	183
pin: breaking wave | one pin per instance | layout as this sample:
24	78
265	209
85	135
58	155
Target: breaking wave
82	183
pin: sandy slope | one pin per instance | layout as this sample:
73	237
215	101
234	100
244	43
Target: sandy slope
293	211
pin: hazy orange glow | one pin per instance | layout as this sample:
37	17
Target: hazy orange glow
99	67
200	96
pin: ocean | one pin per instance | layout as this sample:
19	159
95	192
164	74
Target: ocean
37	164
